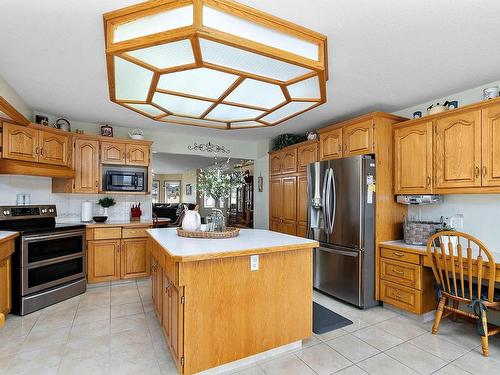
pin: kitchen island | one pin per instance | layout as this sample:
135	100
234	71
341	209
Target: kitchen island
227	300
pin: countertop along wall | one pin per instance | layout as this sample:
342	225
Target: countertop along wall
481	211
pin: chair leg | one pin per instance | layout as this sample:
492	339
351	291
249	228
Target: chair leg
455	306
484	339
439	315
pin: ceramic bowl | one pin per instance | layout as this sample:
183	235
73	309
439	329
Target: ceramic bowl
100	219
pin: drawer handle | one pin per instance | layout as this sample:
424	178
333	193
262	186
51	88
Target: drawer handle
398	254
399	272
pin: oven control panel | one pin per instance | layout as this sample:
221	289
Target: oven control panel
27	212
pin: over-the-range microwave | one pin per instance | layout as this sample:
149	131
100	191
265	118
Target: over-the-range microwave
125	180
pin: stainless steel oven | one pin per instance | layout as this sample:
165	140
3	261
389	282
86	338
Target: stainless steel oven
51	259
125	180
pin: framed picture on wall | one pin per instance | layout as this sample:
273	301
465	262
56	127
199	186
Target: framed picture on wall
172	191
189	189
155	191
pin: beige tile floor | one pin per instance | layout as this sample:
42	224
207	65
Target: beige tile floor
112	329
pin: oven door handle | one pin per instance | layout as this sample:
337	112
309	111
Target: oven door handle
52	236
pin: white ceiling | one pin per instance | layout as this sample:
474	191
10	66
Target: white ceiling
384	55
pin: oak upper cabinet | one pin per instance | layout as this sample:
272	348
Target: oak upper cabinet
330	146
275	163
113	153
103	260
306	154
458	150
53	148
86	166
491	145
413	159
20	143
289	161
358	139
137	155
135	258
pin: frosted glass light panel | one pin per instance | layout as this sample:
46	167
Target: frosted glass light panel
230	24
257	94
181	106
249	62
132	82
203	82
247	124
286	111
308	88
156	23
230	113
146	108
187	121
166	55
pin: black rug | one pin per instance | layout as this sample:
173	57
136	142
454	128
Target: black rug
325	320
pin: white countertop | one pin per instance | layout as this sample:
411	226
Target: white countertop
403	245
249	241
6	234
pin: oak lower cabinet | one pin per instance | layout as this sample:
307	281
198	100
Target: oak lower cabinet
27	143
405	282
413	159
112	254
6	250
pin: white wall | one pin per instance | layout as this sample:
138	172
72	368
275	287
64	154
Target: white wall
189	177
481	211
68	205
15	100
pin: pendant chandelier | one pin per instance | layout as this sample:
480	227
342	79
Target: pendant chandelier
213	63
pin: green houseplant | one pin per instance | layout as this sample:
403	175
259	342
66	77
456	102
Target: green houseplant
284	140
105	203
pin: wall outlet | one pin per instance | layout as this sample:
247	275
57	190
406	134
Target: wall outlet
254	263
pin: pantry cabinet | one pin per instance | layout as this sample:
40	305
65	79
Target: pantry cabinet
413	159
458	150
302	203
283	206
115	253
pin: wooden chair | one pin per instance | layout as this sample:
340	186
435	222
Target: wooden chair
464	275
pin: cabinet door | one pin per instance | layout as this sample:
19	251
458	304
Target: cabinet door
86	166
275	163
305	155
103	261
458	150
491	145
176	316
289	163
358	138
302	230
302	199
137	155
330	145
113	153
158	289
135	258
274	225
166	319
5	288
20	143
289	205
413	159
54	148
288	227
276	199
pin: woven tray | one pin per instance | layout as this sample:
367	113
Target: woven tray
230	232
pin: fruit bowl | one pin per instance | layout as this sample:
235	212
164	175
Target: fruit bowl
100	219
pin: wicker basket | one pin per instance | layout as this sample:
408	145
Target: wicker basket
417	232
230	232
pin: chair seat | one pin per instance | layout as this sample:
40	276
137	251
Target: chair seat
474	295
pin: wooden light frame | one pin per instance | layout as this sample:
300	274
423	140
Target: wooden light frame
317	69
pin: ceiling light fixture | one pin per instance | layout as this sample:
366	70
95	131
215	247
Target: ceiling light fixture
213	63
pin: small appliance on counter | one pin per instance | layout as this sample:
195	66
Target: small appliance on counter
419	199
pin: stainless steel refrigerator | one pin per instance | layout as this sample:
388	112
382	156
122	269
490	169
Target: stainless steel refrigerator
341	216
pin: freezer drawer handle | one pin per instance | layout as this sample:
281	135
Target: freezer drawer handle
353	254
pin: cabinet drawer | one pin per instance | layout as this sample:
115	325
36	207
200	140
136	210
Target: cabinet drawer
400	272
134	232
106	233
400	255
400	296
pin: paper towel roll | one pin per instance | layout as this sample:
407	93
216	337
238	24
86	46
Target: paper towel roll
86	212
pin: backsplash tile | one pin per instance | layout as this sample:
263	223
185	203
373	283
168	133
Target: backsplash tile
68	205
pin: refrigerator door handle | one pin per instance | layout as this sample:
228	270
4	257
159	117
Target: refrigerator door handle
334	196
325	209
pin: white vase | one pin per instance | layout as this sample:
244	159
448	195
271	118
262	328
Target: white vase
105	211
191	221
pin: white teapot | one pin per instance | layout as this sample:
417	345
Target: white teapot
192	220
137	134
